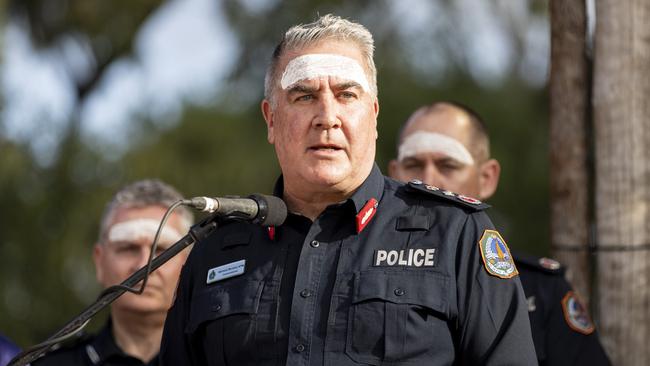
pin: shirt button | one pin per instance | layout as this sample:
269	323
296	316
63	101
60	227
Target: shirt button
300	348
305	293
399	292
314	244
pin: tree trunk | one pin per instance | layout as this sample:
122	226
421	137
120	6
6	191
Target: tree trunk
622	130
569	106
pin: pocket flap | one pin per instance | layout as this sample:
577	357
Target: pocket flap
235	297
235	239
421	288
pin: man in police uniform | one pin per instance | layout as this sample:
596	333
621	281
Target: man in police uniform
446	145
133	332
365	270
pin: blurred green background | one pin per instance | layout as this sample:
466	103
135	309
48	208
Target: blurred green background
96	94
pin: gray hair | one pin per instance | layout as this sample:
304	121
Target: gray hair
327	27
140	194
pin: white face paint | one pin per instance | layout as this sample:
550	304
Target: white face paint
431	142
139	229
312	66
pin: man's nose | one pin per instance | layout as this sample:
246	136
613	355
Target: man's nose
143	258
432	176
327	113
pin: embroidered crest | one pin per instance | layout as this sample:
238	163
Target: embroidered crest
366	214
496	255
576	315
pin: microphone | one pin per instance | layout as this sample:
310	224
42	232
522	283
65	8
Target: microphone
257	208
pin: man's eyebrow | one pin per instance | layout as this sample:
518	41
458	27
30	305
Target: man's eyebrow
300	88
347	85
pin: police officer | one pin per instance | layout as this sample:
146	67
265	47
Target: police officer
128	226
365	270
446	144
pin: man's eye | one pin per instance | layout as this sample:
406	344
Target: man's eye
128	249
448	166
412	166
304	98
347	95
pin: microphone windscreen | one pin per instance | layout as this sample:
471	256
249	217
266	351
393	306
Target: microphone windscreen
275	210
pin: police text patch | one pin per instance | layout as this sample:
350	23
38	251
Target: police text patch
423	257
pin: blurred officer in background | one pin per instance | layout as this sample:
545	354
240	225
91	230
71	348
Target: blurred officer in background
446	145
127	229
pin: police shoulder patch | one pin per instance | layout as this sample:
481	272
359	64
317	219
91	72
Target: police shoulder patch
576	314
435	192
496	255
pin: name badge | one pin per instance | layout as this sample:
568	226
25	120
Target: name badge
226	271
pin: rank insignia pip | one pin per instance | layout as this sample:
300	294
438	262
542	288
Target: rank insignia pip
549	263
576	315
496	256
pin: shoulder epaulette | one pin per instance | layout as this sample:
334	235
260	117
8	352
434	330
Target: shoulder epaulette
435	192
543	264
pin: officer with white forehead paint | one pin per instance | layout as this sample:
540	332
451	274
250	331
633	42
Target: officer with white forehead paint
446	144
365	270
128	226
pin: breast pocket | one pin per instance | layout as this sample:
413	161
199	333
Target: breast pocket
231	308
398	317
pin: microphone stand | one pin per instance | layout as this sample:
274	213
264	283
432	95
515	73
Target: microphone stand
197	233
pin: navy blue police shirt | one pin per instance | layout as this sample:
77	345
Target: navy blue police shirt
393	275
92	350
563	332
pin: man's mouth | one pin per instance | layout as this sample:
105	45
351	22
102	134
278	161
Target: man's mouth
326	147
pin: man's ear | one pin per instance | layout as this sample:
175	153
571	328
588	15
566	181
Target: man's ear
98	254
393	169
488	178
267	112
376	109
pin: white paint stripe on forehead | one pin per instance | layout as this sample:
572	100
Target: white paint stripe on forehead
432	142
312	66
139	229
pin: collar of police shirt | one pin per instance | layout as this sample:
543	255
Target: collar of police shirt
372	187
103	348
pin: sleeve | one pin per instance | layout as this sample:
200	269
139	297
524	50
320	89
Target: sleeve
176	347
571	338
493	323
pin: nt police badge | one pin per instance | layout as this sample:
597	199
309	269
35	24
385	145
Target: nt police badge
576	315
496	255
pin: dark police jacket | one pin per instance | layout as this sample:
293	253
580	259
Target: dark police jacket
563	332
100	350
399	282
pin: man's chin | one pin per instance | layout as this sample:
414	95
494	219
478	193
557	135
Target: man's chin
143	303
